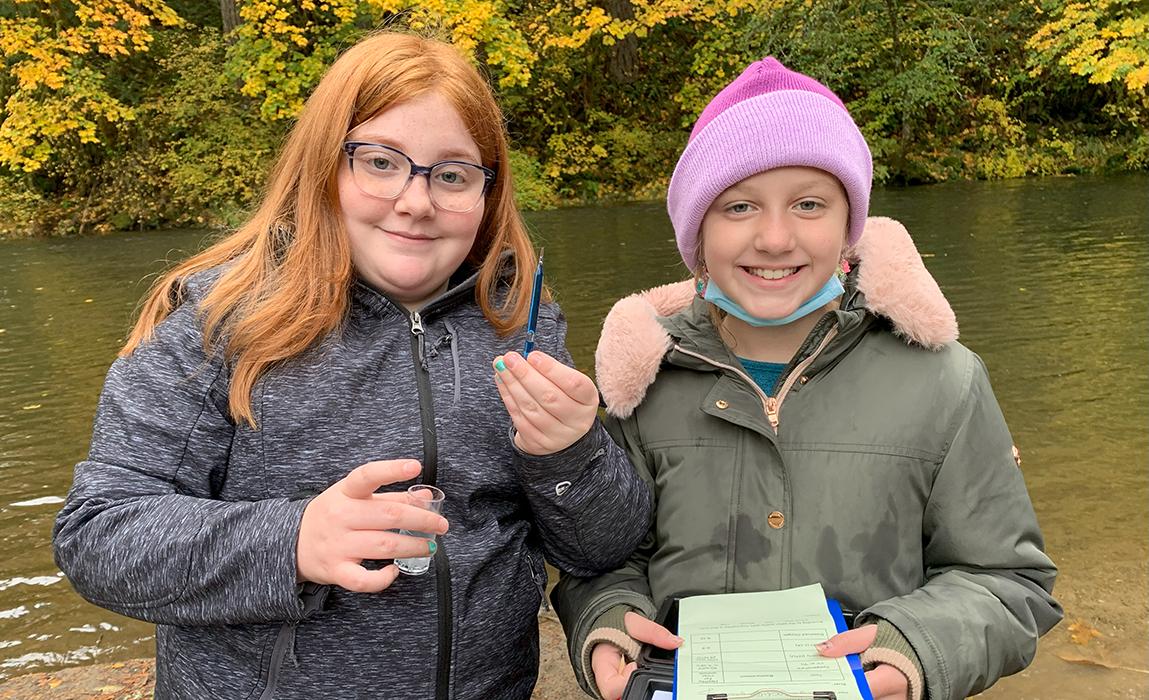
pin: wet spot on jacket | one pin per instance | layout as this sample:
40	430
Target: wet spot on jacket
751	546
879	546
829	557
715	550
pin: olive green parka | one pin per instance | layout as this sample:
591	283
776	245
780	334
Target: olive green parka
880	466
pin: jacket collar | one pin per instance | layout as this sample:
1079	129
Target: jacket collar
460	288
890	281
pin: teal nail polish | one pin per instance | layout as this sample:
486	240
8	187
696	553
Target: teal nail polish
433	546
500	365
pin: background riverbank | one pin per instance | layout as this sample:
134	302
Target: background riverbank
1046	276
146	114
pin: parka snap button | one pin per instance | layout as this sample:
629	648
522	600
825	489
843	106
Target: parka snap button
803	379
776	520
722	404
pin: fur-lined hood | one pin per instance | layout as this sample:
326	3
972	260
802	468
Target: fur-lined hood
891	276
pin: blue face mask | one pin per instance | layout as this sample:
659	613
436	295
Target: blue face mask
829	291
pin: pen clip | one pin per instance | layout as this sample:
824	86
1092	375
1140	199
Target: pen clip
536	298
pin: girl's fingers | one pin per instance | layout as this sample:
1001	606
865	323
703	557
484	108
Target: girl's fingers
371	544
853	641
535	393
649	631
527	412
570	381
387	514
616	684
363	480
356	579
523	424
609	671
887	683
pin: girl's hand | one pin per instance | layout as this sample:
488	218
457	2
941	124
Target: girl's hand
551	405
349	522
885	681
611	673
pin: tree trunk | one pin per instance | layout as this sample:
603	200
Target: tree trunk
229	14
625	52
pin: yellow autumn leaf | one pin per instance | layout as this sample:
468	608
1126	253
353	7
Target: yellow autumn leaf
1081	633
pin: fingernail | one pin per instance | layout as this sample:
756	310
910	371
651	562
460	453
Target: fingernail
500	366
822	646
511	359
680	640
432	546
411	468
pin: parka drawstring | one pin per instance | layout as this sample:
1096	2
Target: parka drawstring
451	340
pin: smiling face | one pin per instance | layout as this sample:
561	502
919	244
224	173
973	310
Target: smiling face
406	247
772	240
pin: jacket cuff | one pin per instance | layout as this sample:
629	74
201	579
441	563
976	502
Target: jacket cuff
608	628
891	647
567	463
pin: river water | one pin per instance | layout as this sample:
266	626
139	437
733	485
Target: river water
1047	277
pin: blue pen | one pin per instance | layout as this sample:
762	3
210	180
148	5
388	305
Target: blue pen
536	297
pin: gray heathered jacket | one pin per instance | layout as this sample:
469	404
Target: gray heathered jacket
181	517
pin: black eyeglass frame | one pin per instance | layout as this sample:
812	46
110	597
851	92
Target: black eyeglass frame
349	147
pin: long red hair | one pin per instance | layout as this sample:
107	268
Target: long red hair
288	275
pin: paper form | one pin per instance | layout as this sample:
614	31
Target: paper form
739	643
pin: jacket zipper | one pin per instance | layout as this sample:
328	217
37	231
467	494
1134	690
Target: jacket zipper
313	596
430	472
539	584
770	405
797	372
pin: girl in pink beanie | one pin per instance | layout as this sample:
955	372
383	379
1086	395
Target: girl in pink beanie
806	415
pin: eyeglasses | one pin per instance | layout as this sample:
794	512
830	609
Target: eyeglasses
385	172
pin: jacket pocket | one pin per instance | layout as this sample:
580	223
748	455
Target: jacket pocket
313	596
283	644
538	572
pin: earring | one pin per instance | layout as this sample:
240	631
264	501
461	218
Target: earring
843	270
701	279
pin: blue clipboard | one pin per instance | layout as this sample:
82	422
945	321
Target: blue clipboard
854	660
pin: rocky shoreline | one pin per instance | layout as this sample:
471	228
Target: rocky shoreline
134	679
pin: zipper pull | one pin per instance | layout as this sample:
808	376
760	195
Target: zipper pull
417	331
541	585
772	411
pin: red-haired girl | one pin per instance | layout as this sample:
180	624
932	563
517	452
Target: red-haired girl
342	341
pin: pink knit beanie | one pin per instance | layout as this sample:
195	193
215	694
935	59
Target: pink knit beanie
769	117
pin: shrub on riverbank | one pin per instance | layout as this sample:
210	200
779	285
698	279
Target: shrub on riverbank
168	114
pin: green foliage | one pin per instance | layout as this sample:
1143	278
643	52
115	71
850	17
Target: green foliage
139	113
533	190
